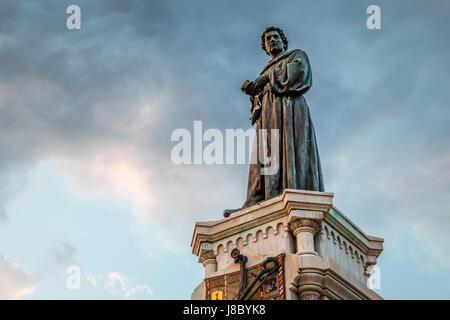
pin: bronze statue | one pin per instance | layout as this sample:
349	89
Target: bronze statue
277	102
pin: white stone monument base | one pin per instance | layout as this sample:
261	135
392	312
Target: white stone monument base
327	256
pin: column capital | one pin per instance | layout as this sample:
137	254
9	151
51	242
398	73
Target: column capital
310	295
304	226
297	225
206	257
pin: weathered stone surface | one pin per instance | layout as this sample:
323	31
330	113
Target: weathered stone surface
327	256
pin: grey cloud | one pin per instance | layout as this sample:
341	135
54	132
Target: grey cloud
4	218
63	253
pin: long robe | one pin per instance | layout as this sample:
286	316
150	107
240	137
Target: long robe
281	105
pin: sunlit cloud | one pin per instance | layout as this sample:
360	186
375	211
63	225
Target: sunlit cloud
15	282
119	285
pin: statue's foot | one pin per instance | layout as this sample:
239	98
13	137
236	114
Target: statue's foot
227	212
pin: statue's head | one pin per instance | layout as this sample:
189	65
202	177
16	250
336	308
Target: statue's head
273	41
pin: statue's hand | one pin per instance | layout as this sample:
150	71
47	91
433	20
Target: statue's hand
245	87
260	82
254	87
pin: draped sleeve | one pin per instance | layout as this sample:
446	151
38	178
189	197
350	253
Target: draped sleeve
292	75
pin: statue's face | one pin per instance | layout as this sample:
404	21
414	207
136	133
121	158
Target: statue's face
273	42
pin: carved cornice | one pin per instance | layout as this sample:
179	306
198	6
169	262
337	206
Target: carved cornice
260	214
371	246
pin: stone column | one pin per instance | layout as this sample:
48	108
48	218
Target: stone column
308	284
208	259
304	231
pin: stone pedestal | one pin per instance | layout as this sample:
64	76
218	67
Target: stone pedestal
326	256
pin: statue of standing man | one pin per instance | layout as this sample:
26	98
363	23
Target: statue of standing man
277	102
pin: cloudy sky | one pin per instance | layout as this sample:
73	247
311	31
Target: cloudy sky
86	116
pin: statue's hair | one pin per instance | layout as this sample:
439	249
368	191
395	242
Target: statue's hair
280	32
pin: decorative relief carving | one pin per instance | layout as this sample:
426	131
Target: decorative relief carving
279	229
337	240
296	225
309	295
230	246
327	232
263	231
207	256
333	237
